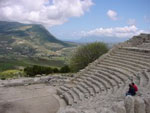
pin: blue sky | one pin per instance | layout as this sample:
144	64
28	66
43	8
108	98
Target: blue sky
137	11
75	19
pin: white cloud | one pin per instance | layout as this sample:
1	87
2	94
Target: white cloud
46	12
118	32
112	14
131	22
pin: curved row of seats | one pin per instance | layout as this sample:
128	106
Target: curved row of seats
144	78
109	76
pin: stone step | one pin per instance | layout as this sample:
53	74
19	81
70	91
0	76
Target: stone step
90	90
79	93
116	71
119	65
91	83
104	83
83	90
60	91
100	85
142	78
68	98
95	82
134	62
121	77
123	63
110	76
136	49
121	92
91	71
123	89
132	56
78	79
132	53
109	81
64	88
147	77
92	76
93	86
89	86
125	75
106	78
136	80
73	95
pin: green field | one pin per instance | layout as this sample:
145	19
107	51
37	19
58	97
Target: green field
20	63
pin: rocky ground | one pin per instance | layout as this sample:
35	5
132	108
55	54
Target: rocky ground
28	99
30	95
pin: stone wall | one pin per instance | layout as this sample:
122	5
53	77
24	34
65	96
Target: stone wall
133	105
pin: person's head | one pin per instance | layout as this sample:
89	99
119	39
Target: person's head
132	83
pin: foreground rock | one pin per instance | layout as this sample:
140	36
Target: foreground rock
129	104
38	98
53	80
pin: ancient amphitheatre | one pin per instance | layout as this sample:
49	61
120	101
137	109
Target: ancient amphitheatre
99	88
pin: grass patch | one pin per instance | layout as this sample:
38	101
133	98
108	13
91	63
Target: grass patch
11	74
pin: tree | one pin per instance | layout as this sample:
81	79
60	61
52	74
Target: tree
35	69
65	69
55	70
86	54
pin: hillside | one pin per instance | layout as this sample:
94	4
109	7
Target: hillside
25	44
27	39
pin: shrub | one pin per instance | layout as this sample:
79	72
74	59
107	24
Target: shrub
56	70
86	54
34	70
3	78
11	74
65	69
29	71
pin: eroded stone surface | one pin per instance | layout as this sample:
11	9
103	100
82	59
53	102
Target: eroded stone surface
28	99
139	105
67	110
119	107
147	103
129	104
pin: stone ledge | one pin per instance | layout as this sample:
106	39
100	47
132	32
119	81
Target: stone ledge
137	49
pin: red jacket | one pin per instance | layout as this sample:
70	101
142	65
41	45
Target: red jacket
135	87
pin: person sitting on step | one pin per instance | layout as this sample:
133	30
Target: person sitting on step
131	90
135	87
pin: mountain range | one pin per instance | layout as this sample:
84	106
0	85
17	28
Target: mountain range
24	45
28	39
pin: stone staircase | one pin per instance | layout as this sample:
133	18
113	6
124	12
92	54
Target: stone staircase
106	80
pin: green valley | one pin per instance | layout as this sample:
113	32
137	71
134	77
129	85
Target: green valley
24	45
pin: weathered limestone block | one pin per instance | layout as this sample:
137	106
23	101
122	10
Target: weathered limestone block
139	105
105	110
129	104
119	107
67	110
147	103
28	81
90	111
